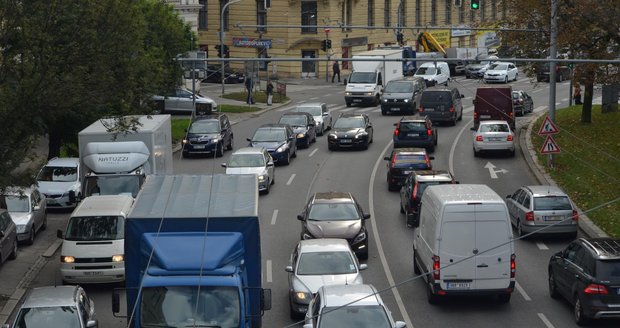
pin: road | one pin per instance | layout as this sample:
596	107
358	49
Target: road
364	173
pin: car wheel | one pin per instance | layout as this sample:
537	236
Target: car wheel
504	298
506	79
322	130
402	210
30	240
383	112
314	137
44	225
295	152
377	101
392	187
230	144
219	151
580	317
365	146
431	149
13	254
273	180
476	154
364	254
416	269
294	315
520	231
267	189
553	291
348	104
516	77
512	153
287	159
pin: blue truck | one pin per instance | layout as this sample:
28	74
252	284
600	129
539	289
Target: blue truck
192	254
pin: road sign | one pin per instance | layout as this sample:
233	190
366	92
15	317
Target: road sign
548	127
549	146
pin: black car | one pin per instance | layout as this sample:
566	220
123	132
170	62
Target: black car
208	134
350	131
522	102
415	131
303	125
413	188
402	96
562	72
587	274
214	75
336	215
278	139
442	104
404	161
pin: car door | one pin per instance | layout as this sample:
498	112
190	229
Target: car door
563	279
327	116
270	167
291	139
171	102
511	203
225	130
5	238
405	192
185	100
369	128
512	71
527	102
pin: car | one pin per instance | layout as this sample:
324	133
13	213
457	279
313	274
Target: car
322	116
476	69
587	274
319	262
501	72
59	181
404	161
57	306
8	237
349	306
415	131
335	215
522	102
562	72
442	104
493	136
434	73
28	209
214	75
413	189
253	160
535	207
351	130
208	134
278	139
303	125
181	100
402	96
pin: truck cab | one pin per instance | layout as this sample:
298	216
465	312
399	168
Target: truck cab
370	75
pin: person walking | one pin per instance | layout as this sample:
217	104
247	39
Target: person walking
336	69
577	94
249	86
269	93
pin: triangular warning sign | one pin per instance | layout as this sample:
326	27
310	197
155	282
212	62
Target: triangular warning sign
549	146
547	127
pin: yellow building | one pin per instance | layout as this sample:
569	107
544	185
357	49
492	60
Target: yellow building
296	28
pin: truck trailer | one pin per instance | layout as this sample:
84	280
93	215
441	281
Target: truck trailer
118	163
370	75
192	253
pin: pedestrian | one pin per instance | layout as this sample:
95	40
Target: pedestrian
336	69
249	86
577	94
269	93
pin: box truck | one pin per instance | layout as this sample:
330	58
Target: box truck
370	75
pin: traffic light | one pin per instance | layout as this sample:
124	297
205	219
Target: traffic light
328	44
475	4
324	45
400	38
219	51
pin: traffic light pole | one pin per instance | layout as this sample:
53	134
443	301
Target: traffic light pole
222	39
326	55
552	65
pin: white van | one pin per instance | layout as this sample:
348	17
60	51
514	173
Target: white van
434	73
93	245
464	242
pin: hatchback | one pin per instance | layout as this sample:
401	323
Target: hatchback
28	209
8	237
251	160
413	189
59	181
182	101
404	161
493	136
278	139
536	207
522	102
208	134
303	125
415	131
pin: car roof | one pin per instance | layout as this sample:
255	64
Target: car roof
433	175
545	190
338	295
51	296
324	245
604	248
332	197
310	104
17	190
409	150
412	118
273	125
297	114
352	115
249	150
103	205
492	122
439	88
64	161
207	117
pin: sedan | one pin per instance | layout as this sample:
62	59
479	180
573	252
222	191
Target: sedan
278	139
493	136
319	262
214	75
303	125
322	116
256	161
351	130
27	207
181	101
501	72
522	102
404	161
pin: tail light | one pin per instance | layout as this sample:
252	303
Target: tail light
509	138
420	109
575	215
596	289
429	132
415	192
436	267
475	115
510	115
513	265
428	161
451	109
394	161
478	138
396	130
529	216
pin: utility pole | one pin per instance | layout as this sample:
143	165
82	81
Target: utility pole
552	64
326	55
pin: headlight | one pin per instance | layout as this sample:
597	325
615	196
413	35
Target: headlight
347	93
301	135
406	100
370	93
281	149
67	259
307	236
384	100
332	136
261	178
185	141
21	228
301	296
361	236
118	258
361	135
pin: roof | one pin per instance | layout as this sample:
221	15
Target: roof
351	114
17	190
324	245
332	196
273	125
433	175
146	123
104	205
464	193
208	117
249	150
64	161
409	150
412	118
310	104
51	296
546	190
605	248
297	114
337	295
489	122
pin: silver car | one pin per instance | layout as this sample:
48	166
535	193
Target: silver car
322	116
28	209
181	100
319	262
534	207
251	160
59	181
493	136
8	237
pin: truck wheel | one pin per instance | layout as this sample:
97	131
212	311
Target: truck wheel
416	269
430	297
377	101
44	224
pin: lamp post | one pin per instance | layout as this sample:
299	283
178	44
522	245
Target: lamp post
327	55
222	38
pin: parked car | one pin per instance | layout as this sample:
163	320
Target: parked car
181	101
303	126
322	116
213	74
335	215
442	104
28	209
415	131
253	160
208	134
59	181
493	136
413	189
8	237
536	207
278	139
404	161
501	72
522	102
349	306
319	262
587	274
351	131
402	96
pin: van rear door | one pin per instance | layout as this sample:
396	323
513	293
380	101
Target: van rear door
494	247
457	241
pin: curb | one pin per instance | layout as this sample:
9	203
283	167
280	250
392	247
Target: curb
529	153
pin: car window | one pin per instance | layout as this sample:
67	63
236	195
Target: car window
323	263
494	128
399	87
527	201
52	316
204	126
355	316
412	127
549	203
294	120
312	110
350	122
521	196
426	71
58	173
580	257
608	270
333	212
423	185
95	228
406	160
435	96
516	195
17	203
246	160
266	135
3	221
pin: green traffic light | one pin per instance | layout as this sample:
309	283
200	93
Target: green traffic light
475	4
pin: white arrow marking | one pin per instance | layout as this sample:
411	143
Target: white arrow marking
491	171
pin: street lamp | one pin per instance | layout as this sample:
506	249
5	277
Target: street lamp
222	38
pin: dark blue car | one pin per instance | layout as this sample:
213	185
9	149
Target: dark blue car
278	139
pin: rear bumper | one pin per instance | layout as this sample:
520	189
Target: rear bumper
498	146
437	290
425	143
556	229
440	117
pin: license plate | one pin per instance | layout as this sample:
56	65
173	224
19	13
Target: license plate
429	109
413	134
495	139
407	172
457	285
485	116
346	141
93	273
395	109
552	218
357	100
199	146
51	201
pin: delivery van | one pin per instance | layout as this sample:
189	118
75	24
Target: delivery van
93	244
463	244
494	103
434	73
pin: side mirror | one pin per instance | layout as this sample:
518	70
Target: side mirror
400	324
472	128
300	217
508	196
223	164
265	299
363	266
269	163
288	268
91	324
462	96
366	216
310	325
387	158
325	114
36	208
395	124
431	157
248	139
59	234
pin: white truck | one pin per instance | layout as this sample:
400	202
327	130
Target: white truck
118	163
366	82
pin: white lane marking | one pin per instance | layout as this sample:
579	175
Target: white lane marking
539	90
540	108
269	271
274	217
564	99
522	292
313	98
348	109
285	109
458	137
377	239
312	153
541	246
290	180
368	109
545	320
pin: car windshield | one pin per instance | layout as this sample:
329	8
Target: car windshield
608	270
422	186
362	77
426	71
314	111
96	228
410	161
494	128
435	96
412	127
17	203
269	134
246	160
333	212
48	317
205	127
294	120
323	263
354	316
113	185
498	67
399	87
349	122
58	173
552	203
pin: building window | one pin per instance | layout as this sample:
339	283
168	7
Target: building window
386	13
402	13
371	12
418	22
348	18
308	16
225	19
202	15
494	10
448	12
261	16
461	14
433	12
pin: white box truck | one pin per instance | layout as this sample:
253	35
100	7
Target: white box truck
118	163
366	81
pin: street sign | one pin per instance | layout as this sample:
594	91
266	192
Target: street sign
549	146
547	127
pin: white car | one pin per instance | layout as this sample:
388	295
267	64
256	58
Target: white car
59	181
493	136
501	72
322	116
180	100
250	160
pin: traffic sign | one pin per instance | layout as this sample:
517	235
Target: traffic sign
548	127
549	146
